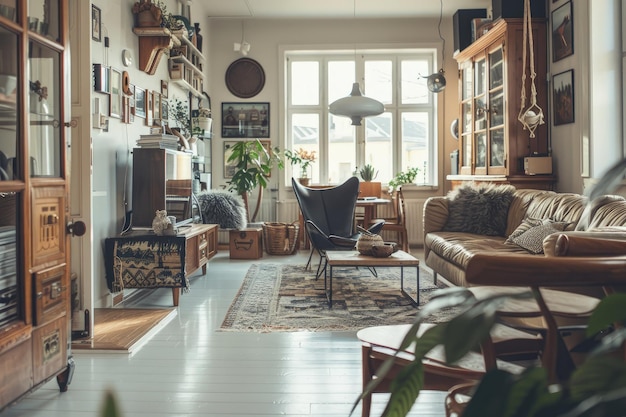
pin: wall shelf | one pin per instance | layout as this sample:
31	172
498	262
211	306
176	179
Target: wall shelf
185	66
153	43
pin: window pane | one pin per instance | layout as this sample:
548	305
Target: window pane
340	79
341	149
305	135
378	146
415	143
378	81
414	91
305	85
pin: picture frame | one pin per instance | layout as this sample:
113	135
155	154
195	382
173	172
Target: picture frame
164	89
140	102
115	97
563	97
229	167
245	120
149	109
101	82
96	23
562	32
156	106
165	110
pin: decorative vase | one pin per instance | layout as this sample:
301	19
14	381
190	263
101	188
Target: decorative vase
196	28
162	223
304	181
366	241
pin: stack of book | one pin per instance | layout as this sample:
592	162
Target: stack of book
8	275
160	140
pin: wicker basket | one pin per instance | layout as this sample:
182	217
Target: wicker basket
280	238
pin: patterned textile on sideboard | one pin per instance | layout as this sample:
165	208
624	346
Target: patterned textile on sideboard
147	261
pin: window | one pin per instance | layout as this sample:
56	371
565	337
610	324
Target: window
402	137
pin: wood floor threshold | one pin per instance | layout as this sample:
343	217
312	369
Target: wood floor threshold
123	330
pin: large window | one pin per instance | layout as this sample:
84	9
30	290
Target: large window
402	137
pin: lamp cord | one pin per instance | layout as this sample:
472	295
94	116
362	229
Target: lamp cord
443	47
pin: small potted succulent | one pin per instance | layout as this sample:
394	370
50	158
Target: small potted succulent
368	187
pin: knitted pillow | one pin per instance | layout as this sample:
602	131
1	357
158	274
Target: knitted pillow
224	208
481	209
532	239
530	223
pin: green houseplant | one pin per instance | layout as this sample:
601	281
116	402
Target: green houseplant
303	158
253	165
403	177
368	187
368	173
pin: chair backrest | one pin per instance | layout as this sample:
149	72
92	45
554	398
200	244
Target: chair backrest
331	209
401	207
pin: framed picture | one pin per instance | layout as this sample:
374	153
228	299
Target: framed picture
115	99
164	88
165	110
149	109
245	120
229	167
156	105
96	23
563	97
101	78
562	32
140	102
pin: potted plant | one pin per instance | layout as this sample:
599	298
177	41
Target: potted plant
253	165
303	158
149	14
368	187
403	177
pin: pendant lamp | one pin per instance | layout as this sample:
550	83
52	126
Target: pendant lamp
356	106
437	82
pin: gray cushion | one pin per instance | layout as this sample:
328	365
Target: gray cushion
480	209
532	239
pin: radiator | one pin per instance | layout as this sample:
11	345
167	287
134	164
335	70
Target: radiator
288	211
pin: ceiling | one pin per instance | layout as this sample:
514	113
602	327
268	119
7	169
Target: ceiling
336	8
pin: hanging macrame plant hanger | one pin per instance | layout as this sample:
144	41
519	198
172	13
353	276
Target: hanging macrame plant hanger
531	116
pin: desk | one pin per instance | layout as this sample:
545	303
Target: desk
369	205
141	259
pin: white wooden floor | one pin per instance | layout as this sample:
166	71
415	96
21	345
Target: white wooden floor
190	369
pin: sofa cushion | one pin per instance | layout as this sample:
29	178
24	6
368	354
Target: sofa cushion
559	207
481	209
529	223
532	239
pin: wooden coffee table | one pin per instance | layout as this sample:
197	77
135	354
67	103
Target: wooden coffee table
398	259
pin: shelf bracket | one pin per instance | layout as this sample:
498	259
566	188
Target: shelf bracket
153	43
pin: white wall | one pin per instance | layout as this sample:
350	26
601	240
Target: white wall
112	158
594	141
267	36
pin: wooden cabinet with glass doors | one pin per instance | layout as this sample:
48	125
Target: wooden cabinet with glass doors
492	142
34	258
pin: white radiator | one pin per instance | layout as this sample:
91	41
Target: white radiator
288	211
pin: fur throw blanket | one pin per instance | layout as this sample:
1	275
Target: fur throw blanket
223	208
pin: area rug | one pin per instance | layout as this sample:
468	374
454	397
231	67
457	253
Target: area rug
277	297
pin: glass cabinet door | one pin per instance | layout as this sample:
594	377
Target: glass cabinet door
496	67
9	103
44	19
44	104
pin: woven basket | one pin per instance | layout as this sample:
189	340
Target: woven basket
280	238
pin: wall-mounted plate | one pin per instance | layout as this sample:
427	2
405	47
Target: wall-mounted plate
245	78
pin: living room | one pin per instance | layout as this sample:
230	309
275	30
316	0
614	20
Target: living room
581	150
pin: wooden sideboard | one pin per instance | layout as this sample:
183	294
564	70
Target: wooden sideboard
141	259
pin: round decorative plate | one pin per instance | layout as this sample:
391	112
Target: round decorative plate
245	78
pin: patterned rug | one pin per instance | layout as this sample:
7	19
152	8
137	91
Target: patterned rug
276	297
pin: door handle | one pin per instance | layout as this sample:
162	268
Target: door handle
76	228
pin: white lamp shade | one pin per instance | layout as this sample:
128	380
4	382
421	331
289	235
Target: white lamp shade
356	106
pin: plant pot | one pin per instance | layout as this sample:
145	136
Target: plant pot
304	181
146	18
370	189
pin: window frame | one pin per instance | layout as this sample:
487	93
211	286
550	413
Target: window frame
360	55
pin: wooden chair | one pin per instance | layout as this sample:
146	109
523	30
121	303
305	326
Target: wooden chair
396	224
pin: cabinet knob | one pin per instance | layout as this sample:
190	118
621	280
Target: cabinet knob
76	228
71	123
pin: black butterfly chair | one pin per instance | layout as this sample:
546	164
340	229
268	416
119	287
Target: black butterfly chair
329	217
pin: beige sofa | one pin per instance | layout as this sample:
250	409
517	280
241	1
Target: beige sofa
448	252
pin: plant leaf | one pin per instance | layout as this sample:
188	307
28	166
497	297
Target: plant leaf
404	390
610	310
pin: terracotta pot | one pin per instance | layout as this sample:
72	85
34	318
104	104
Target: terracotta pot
146	18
